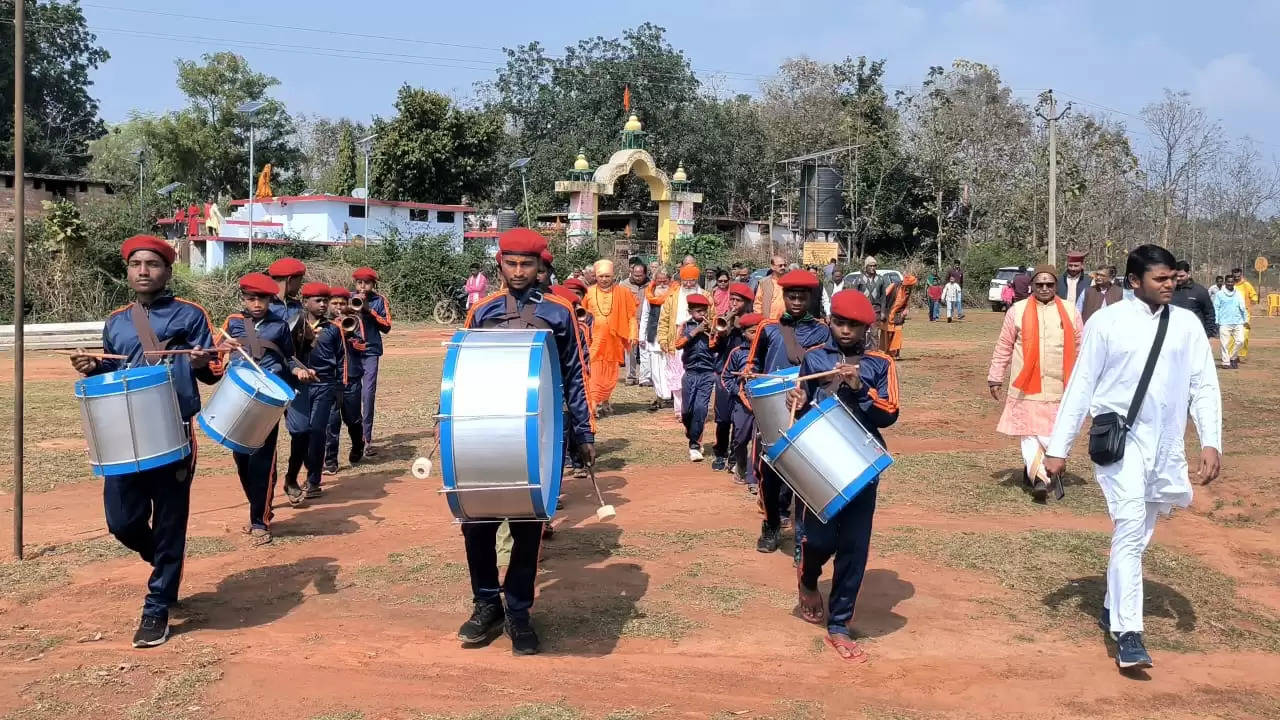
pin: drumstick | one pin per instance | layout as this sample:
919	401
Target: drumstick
243	352
604	512
203	351
815	376
95	356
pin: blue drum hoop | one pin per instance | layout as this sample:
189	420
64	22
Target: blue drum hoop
851	489
776	382
120	382
253	393
533	456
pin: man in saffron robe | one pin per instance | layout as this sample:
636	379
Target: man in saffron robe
1037	347
613	308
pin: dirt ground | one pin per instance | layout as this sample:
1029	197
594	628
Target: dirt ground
977	602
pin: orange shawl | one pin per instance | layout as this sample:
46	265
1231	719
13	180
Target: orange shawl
614	328
1028	381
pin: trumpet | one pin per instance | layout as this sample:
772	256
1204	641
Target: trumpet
357	303
722	323
580	313
349	323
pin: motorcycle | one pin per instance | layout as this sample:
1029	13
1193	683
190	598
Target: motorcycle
451	310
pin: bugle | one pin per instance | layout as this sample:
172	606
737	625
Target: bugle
722	323
580	313
357	303
349	323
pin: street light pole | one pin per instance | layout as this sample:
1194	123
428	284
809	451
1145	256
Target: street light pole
249	108
366	144
524	187
19	269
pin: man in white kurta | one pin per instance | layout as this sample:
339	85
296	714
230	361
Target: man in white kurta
1152	478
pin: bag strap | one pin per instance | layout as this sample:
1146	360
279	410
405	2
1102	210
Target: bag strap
795	353
1150	368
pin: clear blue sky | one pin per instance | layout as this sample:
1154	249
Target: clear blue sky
1118	54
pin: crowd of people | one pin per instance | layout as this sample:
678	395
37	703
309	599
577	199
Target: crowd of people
1072	346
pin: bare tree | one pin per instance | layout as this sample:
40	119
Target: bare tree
1184	138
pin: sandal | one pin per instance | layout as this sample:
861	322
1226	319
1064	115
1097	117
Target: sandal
811	610
846	648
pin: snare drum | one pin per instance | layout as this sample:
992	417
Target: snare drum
769	402
827	457
131	420
501	425
244	408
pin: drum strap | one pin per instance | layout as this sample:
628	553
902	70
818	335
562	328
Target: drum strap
525	315
142	328
795	353
257	346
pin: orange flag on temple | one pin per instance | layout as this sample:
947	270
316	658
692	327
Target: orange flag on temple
626	97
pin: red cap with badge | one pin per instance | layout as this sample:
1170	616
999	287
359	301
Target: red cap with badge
259	284
521	241
801	279
853	305
159	246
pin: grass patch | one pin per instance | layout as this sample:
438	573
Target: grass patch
49	566
703	587
590	542
340	715
611	618
1060	575
205	545
981	482
420	567
176	695
787	710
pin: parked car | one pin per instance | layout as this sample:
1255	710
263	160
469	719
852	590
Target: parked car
1004	276
890	276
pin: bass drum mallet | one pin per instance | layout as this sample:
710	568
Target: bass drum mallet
604	512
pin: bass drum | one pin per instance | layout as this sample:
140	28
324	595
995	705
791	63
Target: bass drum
501	425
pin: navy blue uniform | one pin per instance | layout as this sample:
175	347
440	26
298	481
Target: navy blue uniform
147	511
557	316
377	322
698	382
771	352
744	423
725	344
346	409
257	470
848	534
308	415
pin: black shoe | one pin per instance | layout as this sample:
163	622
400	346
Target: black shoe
1040	491
769	540
312	491
330	469
524	641
355	456
152	631
719	463
484	624
293	491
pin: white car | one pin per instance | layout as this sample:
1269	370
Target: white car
1004	276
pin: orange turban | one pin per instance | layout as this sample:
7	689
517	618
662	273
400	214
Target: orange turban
690	272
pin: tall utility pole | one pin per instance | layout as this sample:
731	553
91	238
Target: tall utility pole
19	266
1053	117
366	146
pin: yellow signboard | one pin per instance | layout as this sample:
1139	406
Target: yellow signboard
1260	264
820	253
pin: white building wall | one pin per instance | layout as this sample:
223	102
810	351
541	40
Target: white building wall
323	221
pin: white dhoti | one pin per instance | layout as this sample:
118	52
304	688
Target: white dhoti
1033	456
1135	499
658	365
643	372
675	376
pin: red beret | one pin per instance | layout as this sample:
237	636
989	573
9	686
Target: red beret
547	257
287	268
521	241
750	320
799	279
575	284
339	291
315	289
365	273
156	245
260	284
698	299
853	305
742	290
564	292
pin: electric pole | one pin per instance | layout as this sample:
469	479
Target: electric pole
1053	117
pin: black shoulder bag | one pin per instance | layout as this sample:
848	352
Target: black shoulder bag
1109	431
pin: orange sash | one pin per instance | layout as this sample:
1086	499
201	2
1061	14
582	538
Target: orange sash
1028	381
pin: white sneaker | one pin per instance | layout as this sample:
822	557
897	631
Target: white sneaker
695	455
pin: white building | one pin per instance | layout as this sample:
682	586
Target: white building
326	220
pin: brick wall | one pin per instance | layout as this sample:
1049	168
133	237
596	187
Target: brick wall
49	190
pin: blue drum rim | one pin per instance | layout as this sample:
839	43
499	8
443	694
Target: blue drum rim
221	439
865	478
783	384
446	425
137	466
253	392
112	383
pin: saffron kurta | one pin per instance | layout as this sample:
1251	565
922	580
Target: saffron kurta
613	331
1032	414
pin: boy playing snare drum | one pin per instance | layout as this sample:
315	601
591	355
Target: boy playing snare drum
867	384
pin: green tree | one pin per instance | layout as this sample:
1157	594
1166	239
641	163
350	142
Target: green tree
434	151
320	141
61	117
206	144
342	178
